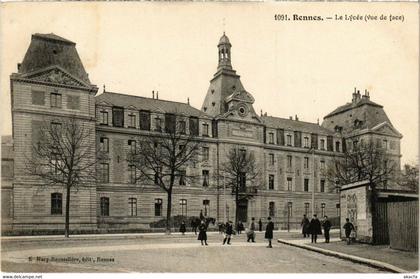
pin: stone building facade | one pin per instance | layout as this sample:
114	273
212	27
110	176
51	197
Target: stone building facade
51	85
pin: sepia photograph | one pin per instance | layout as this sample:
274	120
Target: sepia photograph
209	138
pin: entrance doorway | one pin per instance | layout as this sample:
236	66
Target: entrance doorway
243	210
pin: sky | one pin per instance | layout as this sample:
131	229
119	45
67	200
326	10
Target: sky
304	68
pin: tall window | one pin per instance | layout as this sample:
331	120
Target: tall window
182	174
271	182
271	209
322	165
158	207
131	121
118	117
158	124
145	120
205	153
289	184
337	146
306	162
132	174
242	181
104	118
271	156
322	209
289	161
55	99
183	204
56	204
384	144
132	203
322	144
104	171
206	204
271	138
306	208
306	185
133	146
306	142
205	178
322	185
182	127
104	145
104	206
289	140
205	130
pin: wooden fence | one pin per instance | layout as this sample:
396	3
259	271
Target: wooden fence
403	221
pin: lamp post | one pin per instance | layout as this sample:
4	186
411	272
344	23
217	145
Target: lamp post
312	150
224	198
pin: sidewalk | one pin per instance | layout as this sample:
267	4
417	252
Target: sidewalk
379	256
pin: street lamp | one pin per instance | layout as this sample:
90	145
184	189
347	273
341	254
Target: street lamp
224	198
312	150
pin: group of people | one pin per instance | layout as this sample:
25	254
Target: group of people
313	228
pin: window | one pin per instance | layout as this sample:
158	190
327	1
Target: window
182	174
205	130
322	165
337	208
289	161
104	172
205	154
56	127
104	206
131	121
56	163
306	142
322	185
73	102
289	140
271	156
271	209
182	127
392	145
242	181
306	208
206	204
271	138
289	209
384	144
322	209
158	124
133	146
104	118
306	185
306	163
289	184
55	100
144	120
322	144
378	143
355	142
337	146
117	117
193	126
56	204
104	145
158	207
38	98
271	182
170	123
205	178
183	204
132	174
132	202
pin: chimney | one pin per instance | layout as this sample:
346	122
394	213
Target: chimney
354	98
18	66
104	88
366	96
157	95
291	117
296	118
188	100
265	114
317	121
261	113
153	94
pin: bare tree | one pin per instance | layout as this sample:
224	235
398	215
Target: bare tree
409	177
363	162
163	159
241	174
64	155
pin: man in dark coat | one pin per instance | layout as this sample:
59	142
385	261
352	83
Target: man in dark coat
194	225
269	232
228	232
182	228
327	226
251	231
315	228
305	226
260	225
202	215
348	227
203	232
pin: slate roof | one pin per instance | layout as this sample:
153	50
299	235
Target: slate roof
350	106
295	125
48	50
144	103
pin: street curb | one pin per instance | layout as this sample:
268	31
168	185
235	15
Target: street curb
373	263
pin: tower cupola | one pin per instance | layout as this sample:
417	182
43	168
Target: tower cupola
224	47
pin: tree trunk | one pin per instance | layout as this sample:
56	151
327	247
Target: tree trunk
237	207
67	222
168	213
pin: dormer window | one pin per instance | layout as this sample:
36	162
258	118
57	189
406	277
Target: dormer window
158	124
104	118
289	140
205	130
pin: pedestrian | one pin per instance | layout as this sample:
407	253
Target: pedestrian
327	226
228	232
182	228
260	225
315	228
221	227
305	226
269	232
202	215
240	227
251	231
348	228
202	236
194	225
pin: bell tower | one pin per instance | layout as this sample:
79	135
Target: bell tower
224	47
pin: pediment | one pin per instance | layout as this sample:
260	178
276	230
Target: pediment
55	75
387	129
104	103
242	96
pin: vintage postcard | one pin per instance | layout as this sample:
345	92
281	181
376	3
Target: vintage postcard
211	137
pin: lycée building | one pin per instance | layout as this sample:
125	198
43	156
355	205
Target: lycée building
51	84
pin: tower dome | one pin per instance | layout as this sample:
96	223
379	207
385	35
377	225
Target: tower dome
224	47
224	40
